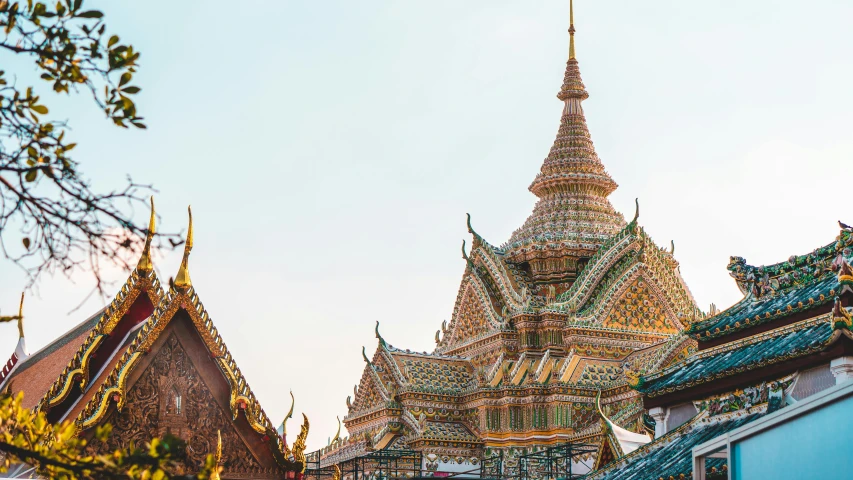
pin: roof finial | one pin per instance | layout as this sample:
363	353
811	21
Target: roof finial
288	416
379	336
338	433
19	317
182	280
145	264
217	457
571	29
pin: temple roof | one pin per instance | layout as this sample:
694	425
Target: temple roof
114	342
35	374
786	343
573	215
671	456
773	292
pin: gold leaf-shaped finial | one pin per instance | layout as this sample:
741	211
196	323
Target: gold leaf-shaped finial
338	433
19	317
289	414
182	279
217	457
145	264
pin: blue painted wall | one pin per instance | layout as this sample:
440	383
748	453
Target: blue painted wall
813	446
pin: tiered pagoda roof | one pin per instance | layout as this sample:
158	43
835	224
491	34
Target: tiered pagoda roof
540	327
573	216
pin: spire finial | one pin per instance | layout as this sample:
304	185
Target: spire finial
182	280
21	317
338	433
379	336
217	457
571	29
288	416
145	264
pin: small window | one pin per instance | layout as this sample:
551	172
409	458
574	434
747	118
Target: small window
679	415
812	381
174	406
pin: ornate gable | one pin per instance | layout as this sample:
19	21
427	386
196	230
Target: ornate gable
368	395
638	308
168	397
181	310
473	315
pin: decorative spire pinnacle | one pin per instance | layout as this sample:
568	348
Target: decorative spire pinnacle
21	349
21	317
338	433
217	457
573	216
379	336
145	264
288	416
182	280
571	29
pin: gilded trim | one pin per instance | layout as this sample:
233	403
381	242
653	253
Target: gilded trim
82	372
115	392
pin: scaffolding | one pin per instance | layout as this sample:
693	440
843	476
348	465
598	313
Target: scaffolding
559	462
377	465
556	462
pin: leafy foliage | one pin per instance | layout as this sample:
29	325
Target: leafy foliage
57	452
60	223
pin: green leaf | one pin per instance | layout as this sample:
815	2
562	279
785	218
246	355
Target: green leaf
26	242
90	14
113	41
31	175
32	152
131	90
125	77
39	109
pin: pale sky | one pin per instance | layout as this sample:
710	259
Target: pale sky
331	149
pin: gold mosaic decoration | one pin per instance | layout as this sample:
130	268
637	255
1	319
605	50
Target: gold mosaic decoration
638	309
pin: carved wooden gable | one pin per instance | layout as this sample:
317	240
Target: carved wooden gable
170	396
639	309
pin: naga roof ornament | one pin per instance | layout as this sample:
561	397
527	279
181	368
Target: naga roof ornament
182	279
288	416
145	264
573	216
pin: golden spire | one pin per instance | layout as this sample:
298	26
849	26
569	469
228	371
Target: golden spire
217	458
21	317
289	415
145	264
571	29
182	280
338	433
